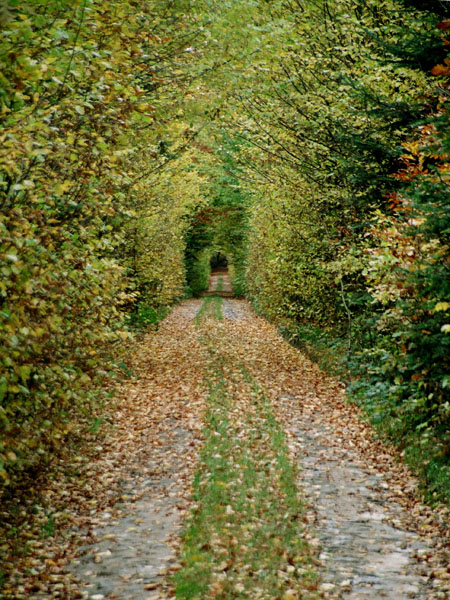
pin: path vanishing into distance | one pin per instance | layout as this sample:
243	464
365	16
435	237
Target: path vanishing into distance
234	468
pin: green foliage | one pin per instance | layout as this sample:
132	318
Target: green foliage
198	255
344	165
88	225
220	227
146	315
315	160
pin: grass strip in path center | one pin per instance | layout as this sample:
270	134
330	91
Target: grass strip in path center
210	309
244	537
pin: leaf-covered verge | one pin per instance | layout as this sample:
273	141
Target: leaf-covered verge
134	452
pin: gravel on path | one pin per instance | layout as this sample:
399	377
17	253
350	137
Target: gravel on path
367	552
376	539
133	545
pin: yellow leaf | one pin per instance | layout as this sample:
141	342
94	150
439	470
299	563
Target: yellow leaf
61	188
441	306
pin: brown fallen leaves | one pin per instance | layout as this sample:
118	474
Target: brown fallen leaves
284	371
245	538
66	509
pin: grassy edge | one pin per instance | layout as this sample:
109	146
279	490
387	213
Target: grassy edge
211	308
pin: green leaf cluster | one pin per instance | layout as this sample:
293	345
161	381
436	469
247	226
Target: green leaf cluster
342	123
89	227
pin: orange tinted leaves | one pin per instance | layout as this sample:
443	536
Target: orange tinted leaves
440	70
444	25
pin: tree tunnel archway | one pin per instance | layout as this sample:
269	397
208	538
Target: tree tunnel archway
218	261
215	241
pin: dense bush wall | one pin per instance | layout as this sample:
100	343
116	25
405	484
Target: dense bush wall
88	226
345	122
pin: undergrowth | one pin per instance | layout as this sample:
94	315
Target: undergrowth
145	316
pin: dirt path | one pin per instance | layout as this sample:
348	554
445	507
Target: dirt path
220	284
376	539
229	412
136	547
